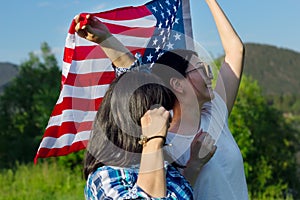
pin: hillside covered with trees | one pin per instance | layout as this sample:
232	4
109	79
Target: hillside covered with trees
277	71
8	72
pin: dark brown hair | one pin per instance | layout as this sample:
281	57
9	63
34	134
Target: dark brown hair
116	129
173	64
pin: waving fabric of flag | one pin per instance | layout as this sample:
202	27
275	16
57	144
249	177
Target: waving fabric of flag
149	29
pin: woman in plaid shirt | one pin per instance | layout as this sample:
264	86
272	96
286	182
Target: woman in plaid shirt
124	158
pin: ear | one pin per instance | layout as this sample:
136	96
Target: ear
176	85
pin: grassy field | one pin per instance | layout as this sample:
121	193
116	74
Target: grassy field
41	182
49	181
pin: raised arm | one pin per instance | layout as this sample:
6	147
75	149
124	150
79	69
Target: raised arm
231	71
152	177
92	29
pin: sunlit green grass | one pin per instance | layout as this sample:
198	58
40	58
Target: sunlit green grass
50	181
41	182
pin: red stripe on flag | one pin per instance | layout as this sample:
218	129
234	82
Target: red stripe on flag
119	14
88	52
90	79
72	27
125	13
63	79
133	31
72	103
68	128
68	55
95	52
45	152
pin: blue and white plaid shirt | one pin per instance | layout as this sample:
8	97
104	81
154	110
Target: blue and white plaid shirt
109	182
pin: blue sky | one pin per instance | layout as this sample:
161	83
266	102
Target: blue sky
26	24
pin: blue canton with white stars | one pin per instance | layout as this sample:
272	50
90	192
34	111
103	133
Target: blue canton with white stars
169	31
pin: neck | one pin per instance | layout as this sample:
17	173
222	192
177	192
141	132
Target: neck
186	119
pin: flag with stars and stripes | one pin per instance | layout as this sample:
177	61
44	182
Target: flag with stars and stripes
149	29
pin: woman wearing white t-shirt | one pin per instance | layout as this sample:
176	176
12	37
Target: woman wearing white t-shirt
199	108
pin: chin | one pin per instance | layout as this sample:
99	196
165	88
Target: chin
208	97
211	94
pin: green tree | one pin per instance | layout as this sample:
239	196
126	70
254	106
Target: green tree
268	144
25	107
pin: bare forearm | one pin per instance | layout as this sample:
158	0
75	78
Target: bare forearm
152	178
231	42
117	52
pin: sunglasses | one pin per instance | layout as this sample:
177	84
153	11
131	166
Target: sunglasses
206	68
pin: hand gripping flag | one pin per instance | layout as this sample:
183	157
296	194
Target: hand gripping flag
149	29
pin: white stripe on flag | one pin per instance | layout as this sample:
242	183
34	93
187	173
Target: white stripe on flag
143	22
72	116
65	140
91	92
65	69
70	41
90	66
132	41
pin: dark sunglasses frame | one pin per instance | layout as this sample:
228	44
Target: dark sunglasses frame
205	67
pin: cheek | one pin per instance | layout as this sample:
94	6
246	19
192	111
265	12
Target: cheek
198	80
198	84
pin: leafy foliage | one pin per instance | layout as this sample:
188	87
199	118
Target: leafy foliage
25	107
288	103
268	144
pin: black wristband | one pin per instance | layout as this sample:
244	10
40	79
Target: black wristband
144	139
157	136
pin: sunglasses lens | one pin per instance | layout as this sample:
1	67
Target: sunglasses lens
205	68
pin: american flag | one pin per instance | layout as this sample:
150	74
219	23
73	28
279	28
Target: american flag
149	29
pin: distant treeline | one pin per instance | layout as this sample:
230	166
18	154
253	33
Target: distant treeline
277	71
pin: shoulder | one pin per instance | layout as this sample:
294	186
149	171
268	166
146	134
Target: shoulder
108	181
112	174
